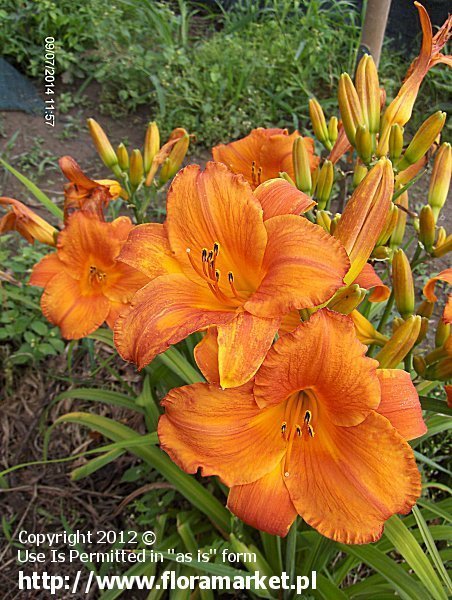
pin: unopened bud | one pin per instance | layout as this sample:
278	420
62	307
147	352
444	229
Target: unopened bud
323	219
287	178
365	331
347	299
333	129
324	184
102	143
444	248
319	123
151	145
368	89
174	161
381	253
423	331
399	230
363	143
359	172
389	226
425	309
314	180
136	170
400	343
441	236
419	365
427	227
440	179
442	333
396	323
403	285
422	140
441	371
395	142
334	223
301	166
123	157
349	106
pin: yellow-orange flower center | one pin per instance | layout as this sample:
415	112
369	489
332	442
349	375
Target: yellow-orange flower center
96	276
298	422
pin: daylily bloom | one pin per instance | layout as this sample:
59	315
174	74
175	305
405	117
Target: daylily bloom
319	432
228	258
84	283
85	194
429	292
26	222
172	153
263	154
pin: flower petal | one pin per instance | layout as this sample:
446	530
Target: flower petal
122	283
147	249
304	267
429	288
45	269
264	504
312	357
349	480
369	280
279	197
206	356
216	206
223	432
400	403
75	314
243	344
162	313
275	155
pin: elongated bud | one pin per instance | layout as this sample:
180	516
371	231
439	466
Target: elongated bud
441	236
441	371
333	129
350	107
381	253
287	177
123	157
442	333
365	215
403	285
422	140
314	180
102	143
425	309
324	220
136	170
363	143
347	299
301	166
324	184
423	331
151	145
319	123
359	172
395	142
396	323
174	161
365	331
368	89
400	343
389	226
427	227
440	179
419	365
444	248
334	223
399	230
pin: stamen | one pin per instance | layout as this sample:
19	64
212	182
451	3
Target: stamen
231	283
307	416
204	261
293	431
253	172
259	175
194	265
311	431
284	428
216	249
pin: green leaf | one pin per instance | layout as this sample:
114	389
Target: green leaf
95	464
96	395
102	335
435	405
179	365
149	405
406	545
327	590
37	193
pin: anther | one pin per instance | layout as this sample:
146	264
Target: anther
283	427
259	175
204	255
311	431
298	429
307	417
217	275
216	249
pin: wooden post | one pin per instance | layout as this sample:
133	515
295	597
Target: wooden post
374	28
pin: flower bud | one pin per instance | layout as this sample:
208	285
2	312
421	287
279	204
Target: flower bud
136	170
332	129
419	365
349	106
403	285
440	179
102	143
397	321
381	253
389	226
174	161
444	248
287	178
395	142
359	172
427	227
425	309
365	331
347	299
423	331
123	157
319	123
400	343
399	230
368	90
324	184
314	179
301	166
422	140
363	143
441	371
365	215
151	145
441	236
442	333
323	219
334	223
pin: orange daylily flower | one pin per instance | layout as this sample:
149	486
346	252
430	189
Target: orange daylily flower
26	222
218	260
369	280
177	137
429	292
400	109
319	432
263	154
85	194
84	283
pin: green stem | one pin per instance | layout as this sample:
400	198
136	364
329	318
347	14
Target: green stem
387	312
291	549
